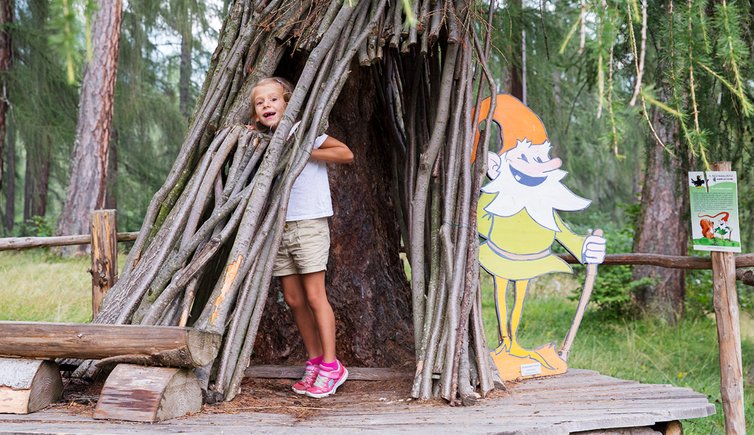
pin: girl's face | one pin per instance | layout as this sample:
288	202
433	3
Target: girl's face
269	104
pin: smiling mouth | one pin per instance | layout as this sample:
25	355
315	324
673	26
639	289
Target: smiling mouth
526	180
268	115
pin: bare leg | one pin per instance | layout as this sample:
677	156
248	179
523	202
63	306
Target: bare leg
295	297
316	296
501	288
518	308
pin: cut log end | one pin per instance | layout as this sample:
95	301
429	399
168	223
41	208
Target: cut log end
28	385
148	394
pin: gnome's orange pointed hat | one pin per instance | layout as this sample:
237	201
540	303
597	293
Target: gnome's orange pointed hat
517	122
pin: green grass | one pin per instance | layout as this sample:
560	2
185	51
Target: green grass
39	286
648	351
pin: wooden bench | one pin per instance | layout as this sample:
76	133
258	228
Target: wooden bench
153	380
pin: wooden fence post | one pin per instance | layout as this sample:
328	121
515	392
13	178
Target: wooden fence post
728	334
104	256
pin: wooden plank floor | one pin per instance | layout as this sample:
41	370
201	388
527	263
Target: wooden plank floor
580	400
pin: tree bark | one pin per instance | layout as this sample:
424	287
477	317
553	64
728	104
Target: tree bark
662	226
6	20
87	186
37	176
517	51
111	194
37	142
9	185
184	79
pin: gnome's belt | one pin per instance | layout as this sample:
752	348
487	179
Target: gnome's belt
518	257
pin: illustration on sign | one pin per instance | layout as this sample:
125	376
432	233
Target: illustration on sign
518	220
714	211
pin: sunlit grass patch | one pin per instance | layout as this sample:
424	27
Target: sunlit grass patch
38	286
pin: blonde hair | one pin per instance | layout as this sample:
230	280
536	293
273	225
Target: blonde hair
283	83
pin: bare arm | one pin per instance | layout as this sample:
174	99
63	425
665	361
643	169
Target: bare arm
333	151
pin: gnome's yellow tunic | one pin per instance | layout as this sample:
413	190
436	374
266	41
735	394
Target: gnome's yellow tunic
518	248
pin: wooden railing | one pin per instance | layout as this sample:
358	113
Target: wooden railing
675	262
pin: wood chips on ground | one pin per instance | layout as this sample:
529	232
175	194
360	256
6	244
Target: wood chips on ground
275	396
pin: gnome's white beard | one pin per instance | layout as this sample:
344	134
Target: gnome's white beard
539	201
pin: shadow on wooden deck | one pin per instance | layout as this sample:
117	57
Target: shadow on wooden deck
580	400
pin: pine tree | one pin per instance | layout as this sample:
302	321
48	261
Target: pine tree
87	188
7	169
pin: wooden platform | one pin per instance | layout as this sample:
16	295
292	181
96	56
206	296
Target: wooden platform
580	400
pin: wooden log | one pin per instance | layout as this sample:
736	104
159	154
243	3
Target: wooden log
148	394
621	431
154	345
28	385
725	299
670	261
746	276
104	256
674	428
18	243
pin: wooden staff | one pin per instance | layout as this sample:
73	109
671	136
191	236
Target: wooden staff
586	293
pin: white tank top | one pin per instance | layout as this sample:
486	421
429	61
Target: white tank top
310	194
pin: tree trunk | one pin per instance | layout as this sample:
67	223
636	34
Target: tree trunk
37	176
87	186
663	225
517	51
366	283
184	80
6	20
111	197
9	185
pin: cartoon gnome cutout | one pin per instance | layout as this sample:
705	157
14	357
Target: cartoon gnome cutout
518	220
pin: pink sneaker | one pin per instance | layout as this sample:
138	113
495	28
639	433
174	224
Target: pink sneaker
328	382
306	382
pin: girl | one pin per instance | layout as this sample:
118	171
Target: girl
302	257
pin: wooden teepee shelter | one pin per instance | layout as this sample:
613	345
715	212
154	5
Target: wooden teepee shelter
406	90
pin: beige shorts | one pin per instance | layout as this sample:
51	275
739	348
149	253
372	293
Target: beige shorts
304	249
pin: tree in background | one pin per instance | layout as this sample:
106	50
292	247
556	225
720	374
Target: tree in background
634	94
182	16
7	165
43	83
148	123
699	61
87	188
43	110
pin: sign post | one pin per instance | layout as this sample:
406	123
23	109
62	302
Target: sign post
714	219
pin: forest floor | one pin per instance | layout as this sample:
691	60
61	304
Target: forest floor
275	396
